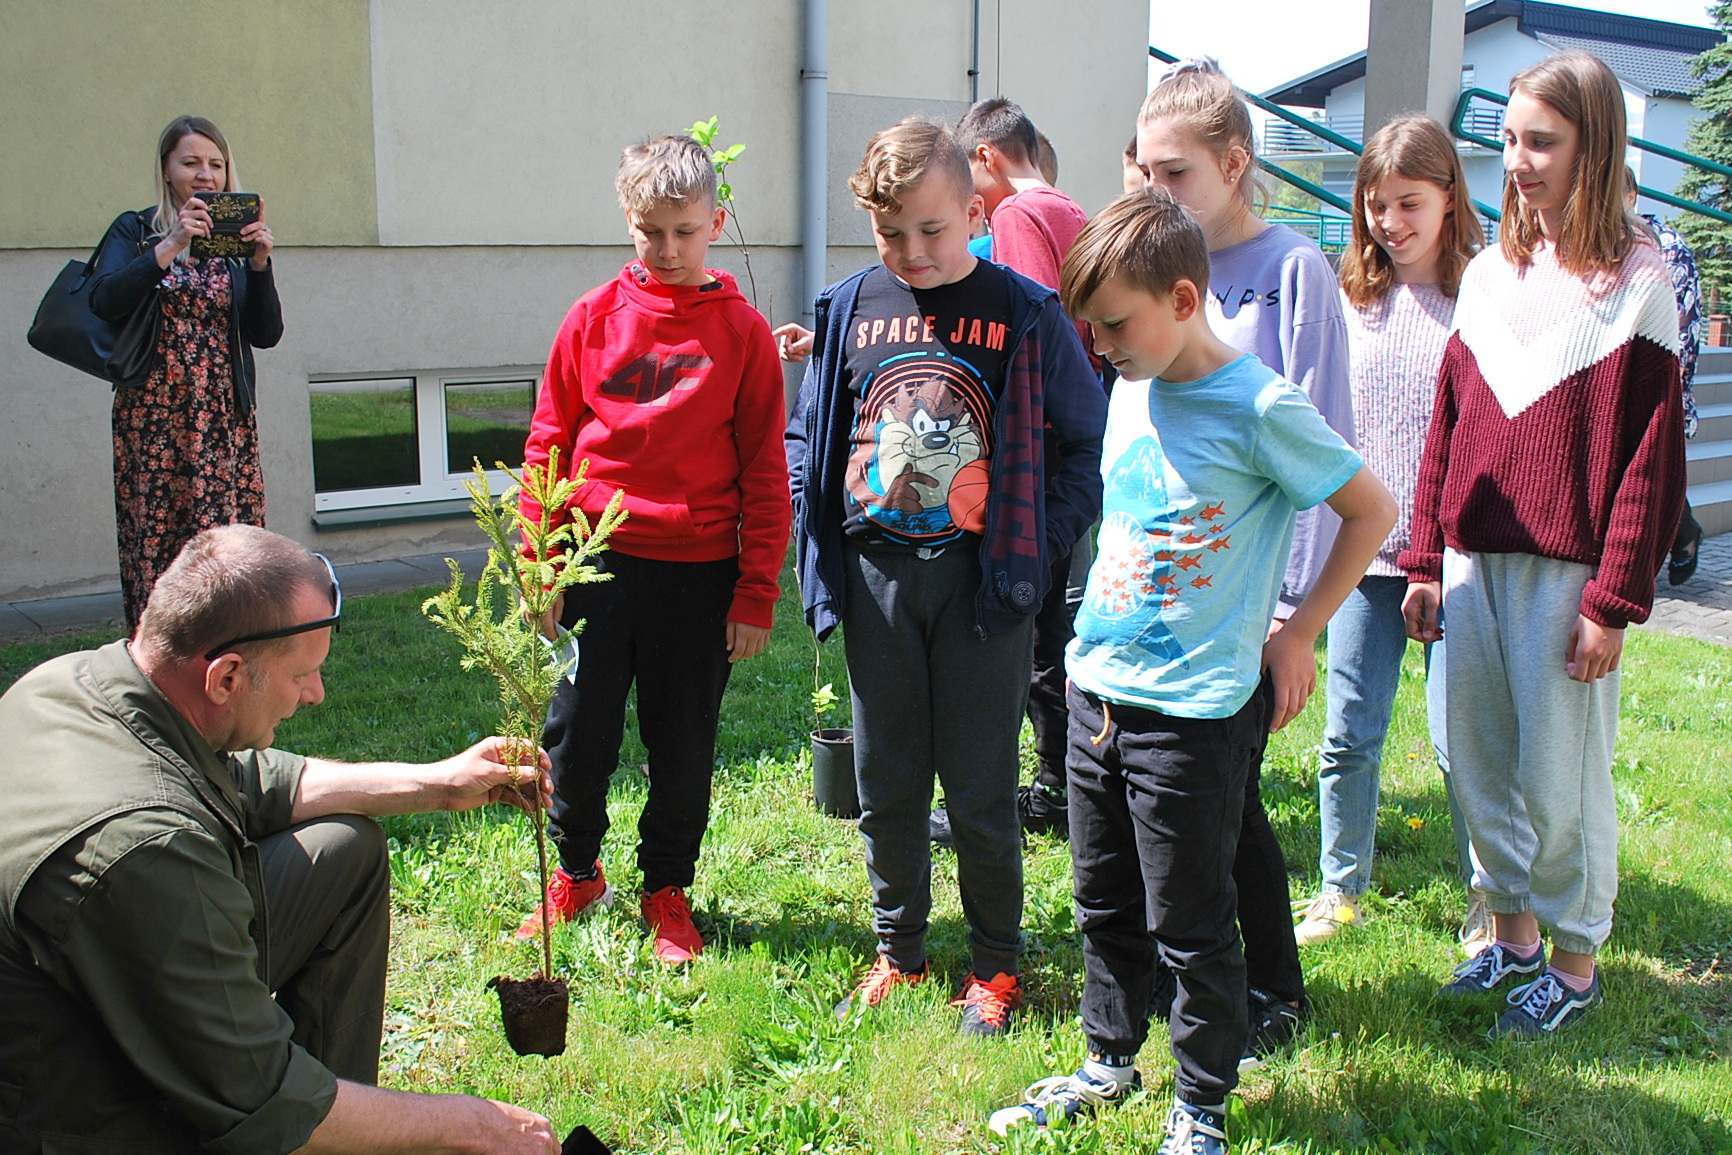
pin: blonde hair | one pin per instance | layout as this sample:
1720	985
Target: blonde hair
167	209
1596	230
1147	238
1198	95
1414	148
902	156
664	170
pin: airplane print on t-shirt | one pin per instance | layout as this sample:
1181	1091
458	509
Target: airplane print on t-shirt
1148	558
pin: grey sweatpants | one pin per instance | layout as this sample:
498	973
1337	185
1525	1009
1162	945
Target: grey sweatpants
1530	751
933	699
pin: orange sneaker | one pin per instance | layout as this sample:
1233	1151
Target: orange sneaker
876	983
986	1006
669	918
567	897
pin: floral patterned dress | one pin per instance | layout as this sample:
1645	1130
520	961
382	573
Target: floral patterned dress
186	457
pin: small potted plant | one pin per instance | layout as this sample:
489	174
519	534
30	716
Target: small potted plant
834	786
500	632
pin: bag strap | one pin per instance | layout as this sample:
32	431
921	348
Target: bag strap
90	265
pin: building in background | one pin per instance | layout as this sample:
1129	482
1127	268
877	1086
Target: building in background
439	177
1651	59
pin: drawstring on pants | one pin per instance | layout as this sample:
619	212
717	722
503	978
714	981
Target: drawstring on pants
1106	723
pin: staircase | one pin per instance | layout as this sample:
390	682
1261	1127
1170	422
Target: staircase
1710	453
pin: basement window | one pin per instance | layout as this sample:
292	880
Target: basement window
411	439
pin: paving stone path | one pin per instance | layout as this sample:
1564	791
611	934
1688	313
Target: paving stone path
1701	607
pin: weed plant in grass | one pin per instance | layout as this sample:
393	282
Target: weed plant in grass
740	1051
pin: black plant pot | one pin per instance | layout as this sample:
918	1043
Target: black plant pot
534	1012
834	787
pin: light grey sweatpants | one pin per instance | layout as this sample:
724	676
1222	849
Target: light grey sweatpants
1530	751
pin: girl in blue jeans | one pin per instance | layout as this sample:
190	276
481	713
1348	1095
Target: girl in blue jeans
1413	233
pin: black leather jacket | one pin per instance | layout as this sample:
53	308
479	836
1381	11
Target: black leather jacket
124	275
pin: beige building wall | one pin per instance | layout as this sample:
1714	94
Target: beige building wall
439	177
501	123
87	85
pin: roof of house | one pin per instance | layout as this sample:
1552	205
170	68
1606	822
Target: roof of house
1652	55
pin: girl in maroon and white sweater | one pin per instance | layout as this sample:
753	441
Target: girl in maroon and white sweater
1548	495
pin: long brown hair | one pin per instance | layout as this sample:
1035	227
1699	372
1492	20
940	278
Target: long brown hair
1413	148
1596	230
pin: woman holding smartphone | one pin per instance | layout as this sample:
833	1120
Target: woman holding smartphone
186	445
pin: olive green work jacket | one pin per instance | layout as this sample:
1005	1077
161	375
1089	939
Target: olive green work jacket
134	1012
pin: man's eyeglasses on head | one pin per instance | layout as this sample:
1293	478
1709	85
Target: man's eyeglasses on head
334	621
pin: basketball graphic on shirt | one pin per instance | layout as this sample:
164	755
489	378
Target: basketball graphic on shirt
967	500
931	418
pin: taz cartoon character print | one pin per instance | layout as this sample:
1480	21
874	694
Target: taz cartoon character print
918	471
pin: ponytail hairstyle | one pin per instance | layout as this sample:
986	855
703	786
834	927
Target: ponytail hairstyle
178	128
1596	231
1197	94
1413	148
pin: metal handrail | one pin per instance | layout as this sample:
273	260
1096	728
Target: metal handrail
1317	130
1470	94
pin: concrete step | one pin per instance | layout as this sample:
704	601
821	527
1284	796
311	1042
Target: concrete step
1712	505
1708	461
1714	423
1712	388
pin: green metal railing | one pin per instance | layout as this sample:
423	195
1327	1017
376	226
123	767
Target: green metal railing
1468	96
1331	233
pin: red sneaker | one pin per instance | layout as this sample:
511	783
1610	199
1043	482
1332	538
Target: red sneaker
986	1006
669	918
567	898
876	983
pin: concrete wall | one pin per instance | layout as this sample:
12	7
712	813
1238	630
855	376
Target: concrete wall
439	177
502	123
87	86
1663	122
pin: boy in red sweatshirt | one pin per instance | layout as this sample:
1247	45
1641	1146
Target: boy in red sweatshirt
667	382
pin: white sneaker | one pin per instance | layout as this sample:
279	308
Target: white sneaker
1327	914
1477	929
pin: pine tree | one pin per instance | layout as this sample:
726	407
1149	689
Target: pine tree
1711	137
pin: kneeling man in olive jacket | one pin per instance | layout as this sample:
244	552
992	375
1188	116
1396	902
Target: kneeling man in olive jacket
193	926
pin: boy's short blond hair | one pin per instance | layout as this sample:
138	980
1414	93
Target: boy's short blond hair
667	169
1147	238
901	157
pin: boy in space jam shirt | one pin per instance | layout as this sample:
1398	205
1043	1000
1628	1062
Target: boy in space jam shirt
927	368
928	515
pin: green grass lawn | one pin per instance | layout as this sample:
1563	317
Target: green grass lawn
740	1053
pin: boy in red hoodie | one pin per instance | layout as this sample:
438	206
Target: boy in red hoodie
667	382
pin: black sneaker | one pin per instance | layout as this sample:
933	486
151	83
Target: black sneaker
1491	969
1062	1097
938	824
1543	1006
1274	1022
1042	809
1193	1130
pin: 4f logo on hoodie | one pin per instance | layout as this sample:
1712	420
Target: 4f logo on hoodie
654	375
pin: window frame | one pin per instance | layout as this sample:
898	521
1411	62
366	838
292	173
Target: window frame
436	484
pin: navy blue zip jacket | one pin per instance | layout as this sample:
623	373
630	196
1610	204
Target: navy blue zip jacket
1032	515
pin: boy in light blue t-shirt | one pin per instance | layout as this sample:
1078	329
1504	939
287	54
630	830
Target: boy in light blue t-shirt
1176	681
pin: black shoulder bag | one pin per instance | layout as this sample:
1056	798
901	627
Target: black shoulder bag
67	330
